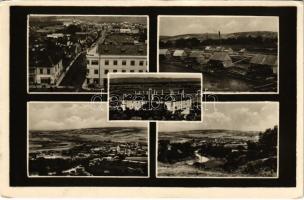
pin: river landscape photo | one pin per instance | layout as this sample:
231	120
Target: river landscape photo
224	145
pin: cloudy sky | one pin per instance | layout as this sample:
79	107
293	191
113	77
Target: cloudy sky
58	116
170	26
231	116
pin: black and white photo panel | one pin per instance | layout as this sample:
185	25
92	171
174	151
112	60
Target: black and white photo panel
236	140
74	53
236	54
74	139
155	97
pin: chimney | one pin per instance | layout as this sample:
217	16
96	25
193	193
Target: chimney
219	35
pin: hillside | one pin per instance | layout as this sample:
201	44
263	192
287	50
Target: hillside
197	134
214	36
117	134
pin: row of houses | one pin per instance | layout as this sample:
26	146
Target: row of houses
46	64
163	53
222	59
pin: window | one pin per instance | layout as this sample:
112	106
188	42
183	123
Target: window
132	62
88	62
140	71
131	70
41	71
95	71
94	62
88	71
123	70
106	62
114	70
46	80
115	62
124	62
141	63
106	71
48	71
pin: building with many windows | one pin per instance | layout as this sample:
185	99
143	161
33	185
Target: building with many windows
45	68
112	54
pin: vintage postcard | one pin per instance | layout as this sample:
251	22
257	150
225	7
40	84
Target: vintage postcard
151	99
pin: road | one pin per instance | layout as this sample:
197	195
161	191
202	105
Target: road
76	75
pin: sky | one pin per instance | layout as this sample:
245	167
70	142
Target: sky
170	26
59	116
256	116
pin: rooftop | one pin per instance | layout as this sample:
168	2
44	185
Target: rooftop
264	60
220	56
195	54
163	51
118	44
44	58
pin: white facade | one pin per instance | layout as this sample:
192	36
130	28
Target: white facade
48	75
184	105
98	66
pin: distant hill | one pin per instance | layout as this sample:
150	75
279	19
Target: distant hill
118	134
214	36
95	19
214	133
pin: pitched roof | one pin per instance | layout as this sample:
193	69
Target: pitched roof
220	56
121	45
260	59
242	50
45	58
208	48
122	50
179	53
163	51
195	54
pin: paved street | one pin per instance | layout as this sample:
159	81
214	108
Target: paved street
76	74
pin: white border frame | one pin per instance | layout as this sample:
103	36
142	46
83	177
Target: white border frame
81	102
77	15
266	192
223	16
226	177
155	74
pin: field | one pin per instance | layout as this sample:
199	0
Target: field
88	152
216	153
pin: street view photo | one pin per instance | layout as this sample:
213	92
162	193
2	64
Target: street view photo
75	53
155	96
235	54
74	139
236	139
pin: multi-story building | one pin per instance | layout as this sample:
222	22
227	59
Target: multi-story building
115	53
45	68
